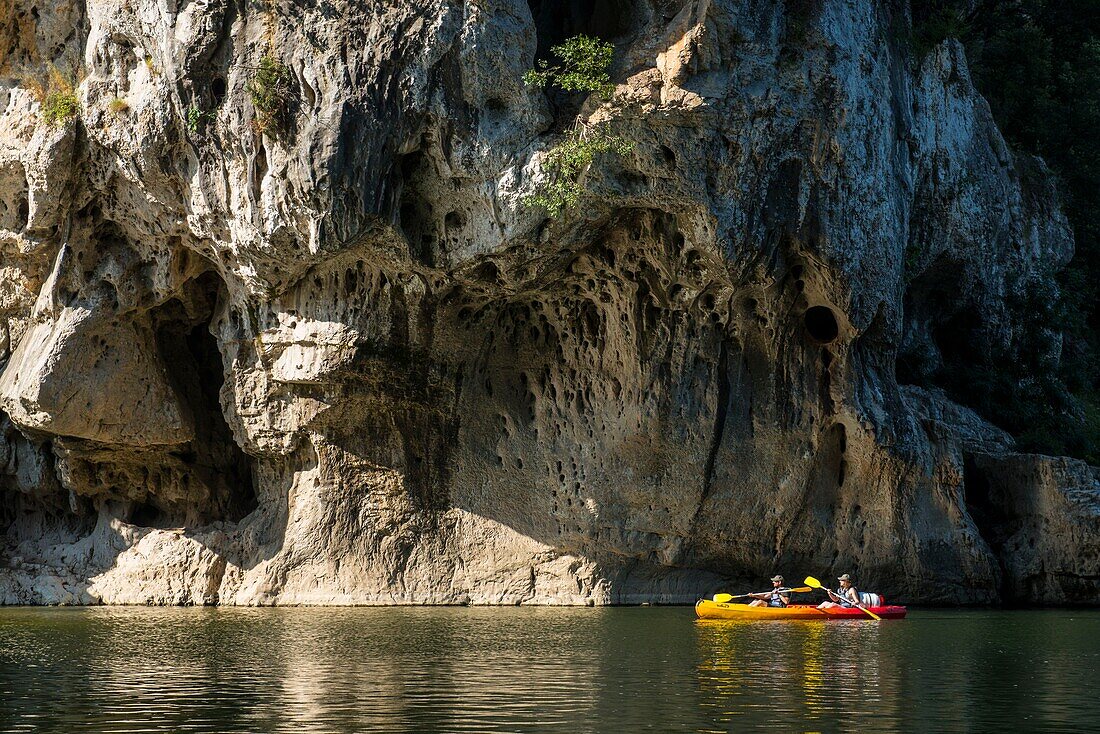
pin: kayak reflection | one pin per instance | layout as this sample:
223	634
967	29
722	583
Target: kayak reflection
809	675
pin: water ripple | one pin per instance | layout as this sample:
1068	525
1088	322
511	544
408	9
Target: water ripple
538	670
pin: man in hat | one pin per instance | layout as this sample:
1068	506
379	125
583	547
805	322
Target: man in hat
777	597
845	596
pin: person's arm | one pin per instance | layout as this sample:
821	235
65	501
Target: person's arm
832	595
786	598
853	595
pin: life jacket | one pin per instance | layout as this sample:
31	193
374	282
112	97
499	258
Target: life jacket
775	600
845	600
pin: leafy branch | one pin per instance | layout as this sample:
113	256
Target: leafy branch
196	117
566	164
585	67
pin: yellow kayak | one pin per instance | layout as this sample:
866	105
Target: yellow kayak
707	609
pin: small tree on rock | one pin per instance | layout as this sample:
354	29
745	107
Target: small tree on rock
585	67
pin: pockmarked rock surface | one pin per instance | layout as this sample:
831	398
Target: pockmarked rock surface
326	353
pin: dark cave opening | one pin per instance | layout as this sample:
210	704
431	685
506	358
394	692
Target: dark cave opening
958	339
956	360
193	364
416	217
557	20
911	367
821	324
146	515
989	517
218	90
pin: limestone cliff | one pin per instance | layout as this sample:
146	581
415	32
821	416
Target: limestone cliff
326	353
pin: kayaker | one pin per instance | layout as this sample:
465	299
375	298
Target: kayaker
845	596
777	597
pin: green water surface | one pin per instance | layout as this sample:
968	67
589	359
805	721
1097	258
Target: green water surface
401	669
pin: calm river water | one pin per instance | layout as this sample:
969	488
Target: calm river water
541	670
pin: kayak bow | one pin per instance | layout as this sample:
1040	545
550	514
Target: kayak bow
707	609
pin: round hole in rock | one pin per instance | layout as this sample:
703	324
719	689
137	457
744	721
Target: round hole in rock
454	220
821	324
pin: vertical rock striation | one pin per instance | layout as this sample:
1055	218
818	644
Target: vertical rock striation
324	353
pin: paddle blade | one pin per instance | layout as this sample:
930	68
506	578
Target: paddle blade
802	589
811	581
722	598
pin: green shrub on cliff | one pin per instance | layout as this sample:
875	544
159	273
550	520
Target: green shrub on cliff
271	93
196	117
60	106
566	164
585	67
56	95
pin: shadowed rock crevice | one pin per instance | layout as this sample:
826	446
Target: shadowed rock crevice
193	364
1040	516
721	413
404	408
991	520
416	215
14	207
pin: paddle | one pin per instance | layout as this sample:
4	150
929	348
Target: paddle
723	598
811	581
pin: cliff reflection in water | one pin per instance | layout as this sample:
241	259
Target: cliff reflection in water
490	670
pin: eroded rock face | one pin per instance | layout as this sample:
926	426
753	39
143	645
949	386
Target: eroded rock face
1042	517
339	360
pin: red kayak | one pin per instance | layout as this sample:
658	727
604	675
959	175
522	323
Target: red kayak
707	609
